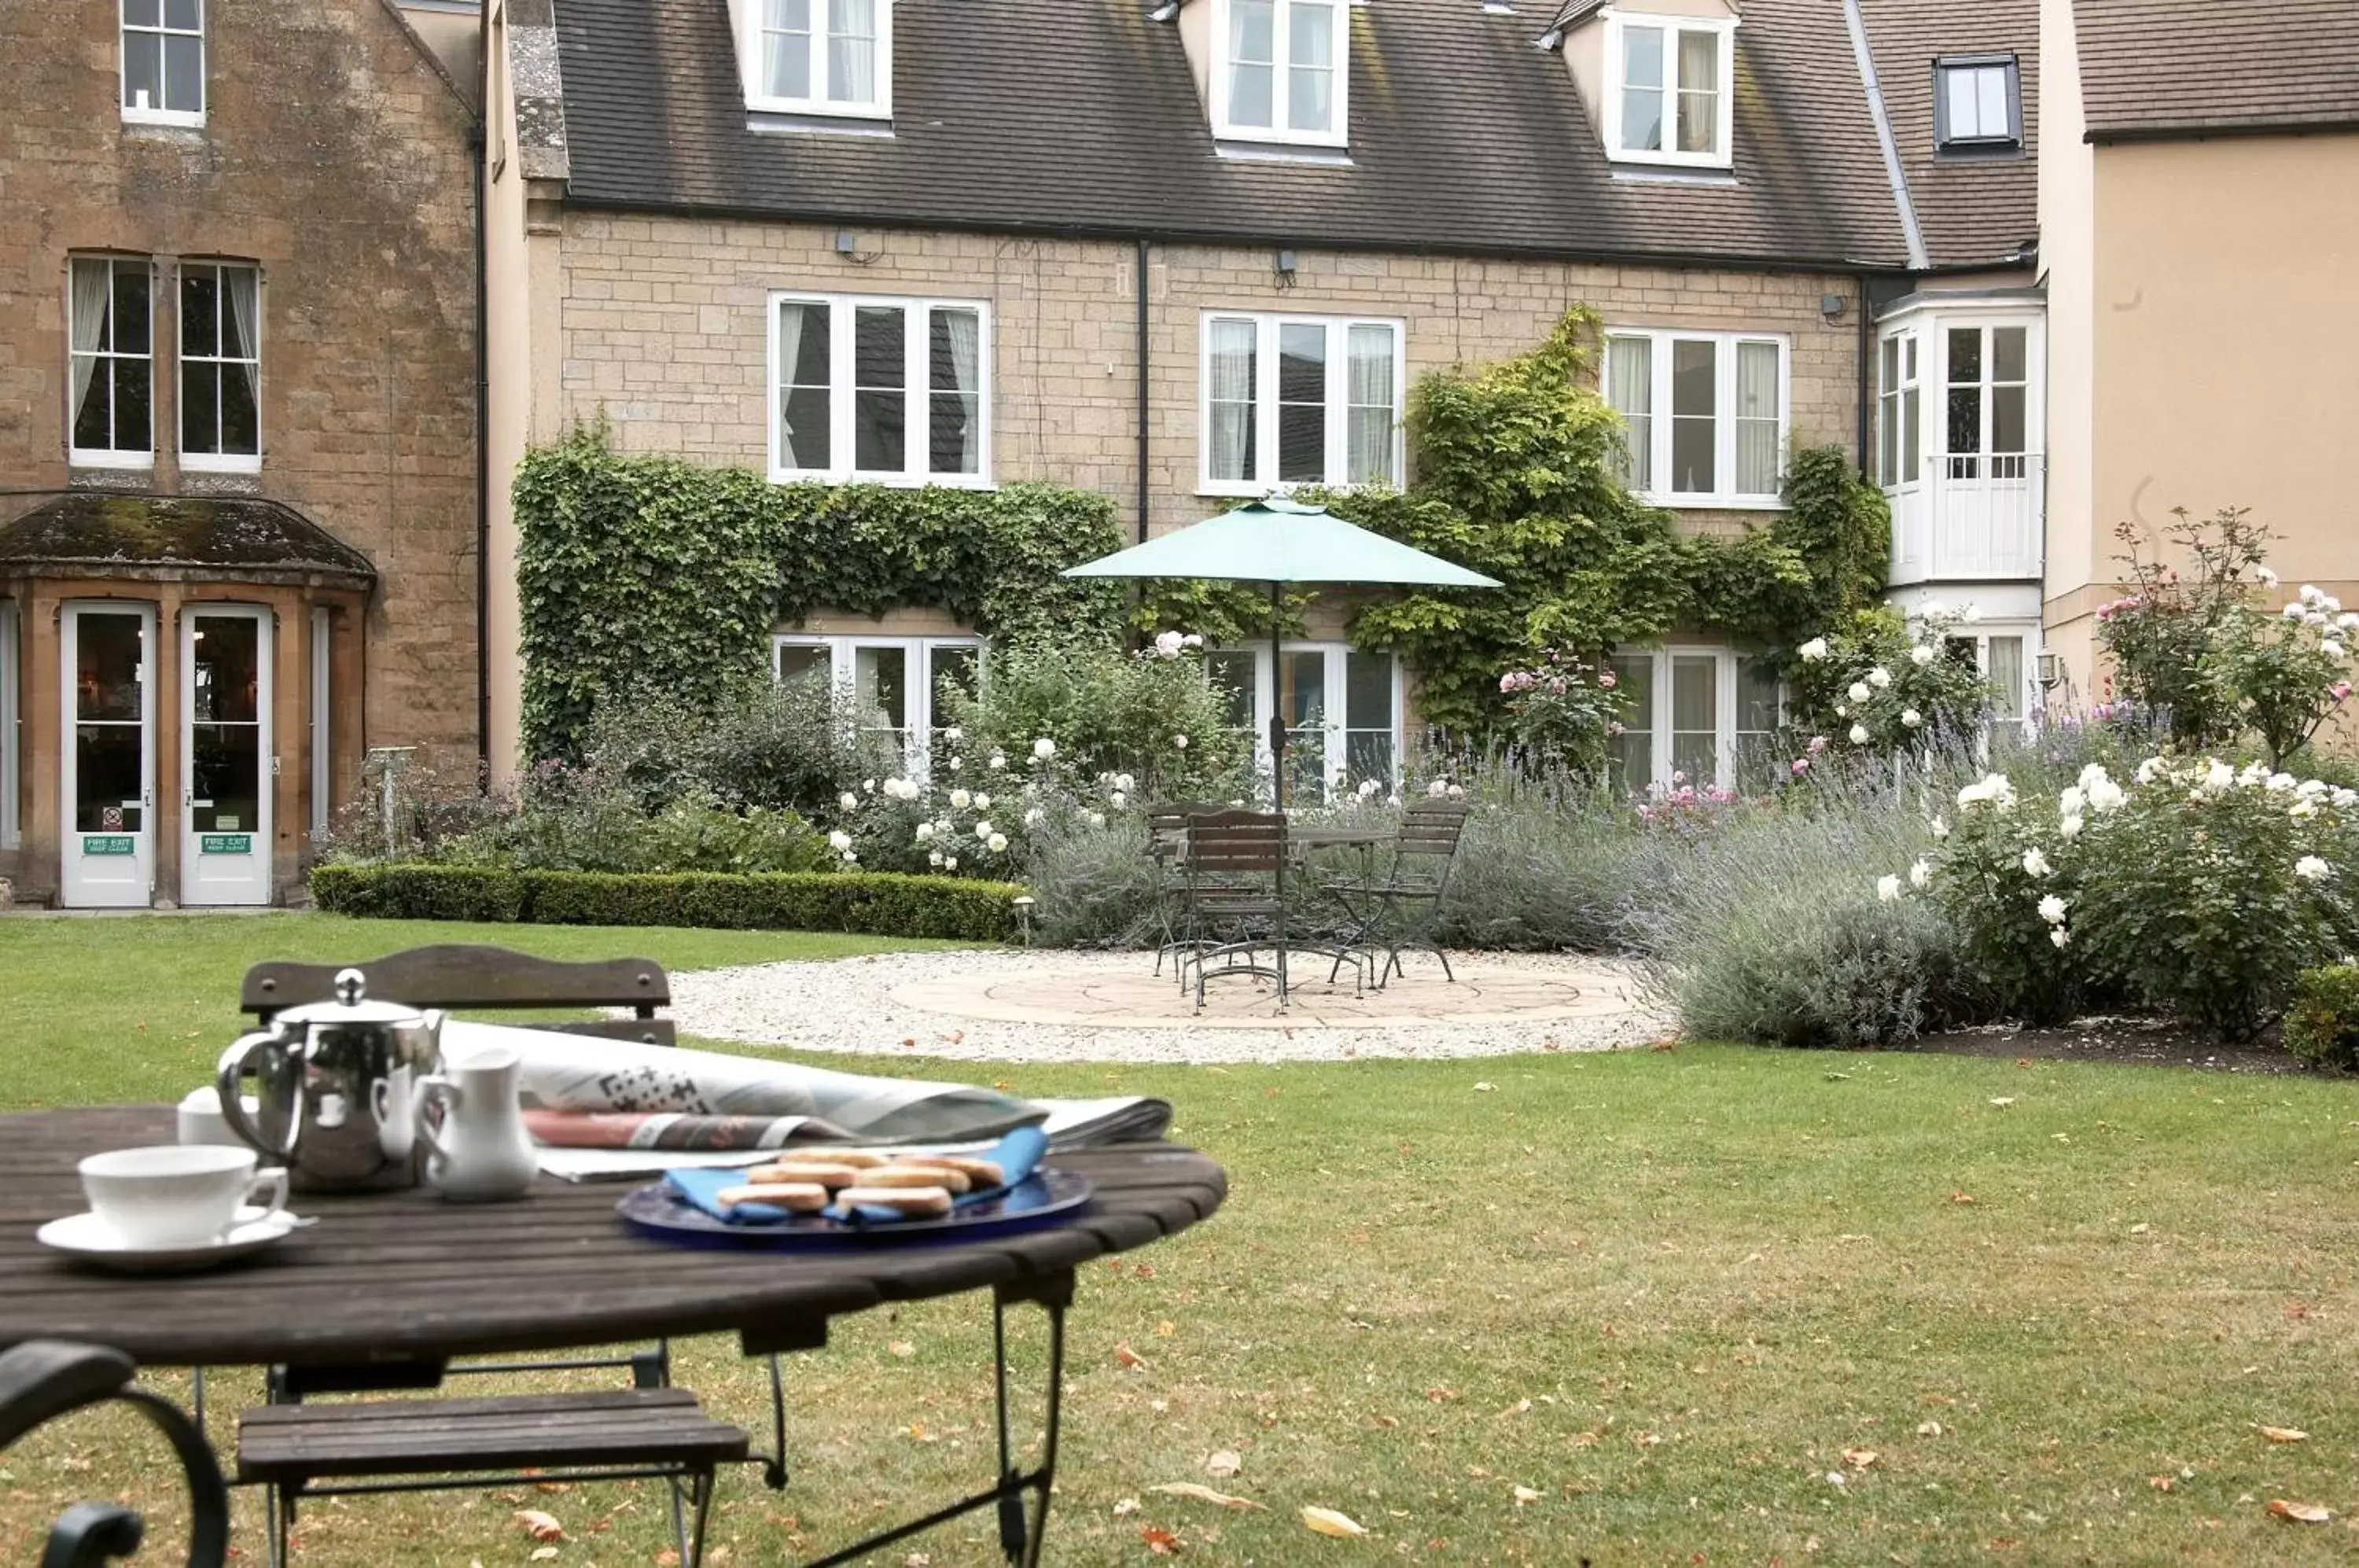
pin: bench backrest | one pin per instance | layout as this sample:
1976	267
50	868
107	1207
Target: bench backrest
460	976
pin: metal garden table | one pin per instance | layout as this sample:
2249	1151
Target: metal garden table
396	1284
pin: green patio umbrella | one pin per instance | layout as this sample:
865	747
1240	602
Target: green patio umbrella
1283	542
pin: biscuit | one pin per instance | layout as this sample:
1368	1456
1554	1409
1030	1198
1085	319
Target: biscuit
916	1175
911	1203
796	1197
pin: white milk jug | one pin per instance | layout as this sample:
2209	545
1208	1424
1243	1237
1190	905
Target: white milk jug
481	1153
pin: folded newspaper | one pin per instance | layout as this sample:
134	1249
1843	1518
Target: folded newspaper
612	1109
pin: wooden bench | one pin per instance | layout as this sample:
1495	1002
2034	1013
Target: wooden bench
458	976
619	1433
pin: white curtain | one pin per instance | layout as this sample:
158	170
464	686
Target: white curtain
786	48
790	349
1232	396
243	286
851	51
966	363
1756	418
1630	390
1311	55
1368	364
92	283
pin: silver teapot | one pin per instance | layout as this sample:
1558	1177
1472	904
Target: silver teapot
335	1083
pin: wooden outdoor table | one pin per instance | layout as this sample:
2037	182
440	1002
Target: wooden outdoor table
405	1277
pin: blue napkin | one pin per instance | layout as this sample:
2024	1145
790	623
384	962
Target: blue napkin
1018	1155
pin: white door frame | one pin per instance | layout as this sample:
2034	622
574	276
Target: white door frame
108	880
222	874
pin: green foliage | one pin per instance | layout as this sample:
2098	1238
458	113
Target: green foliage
2321	1027
878	903
1879	687
650	573
1562	710
1518	476
1151	714
790	745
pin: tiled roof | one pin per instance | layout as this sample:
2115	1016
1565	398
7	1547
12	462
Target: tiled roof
1973	207
2183	67
1081	116
227	537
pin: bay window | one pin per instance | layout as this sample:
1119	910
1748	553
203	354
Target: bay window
900	687
1300	400
820	56
1694	716
893	390
1705	414
1281	70
1897	402
1668	97
163	43
1341	709
221	365
112	355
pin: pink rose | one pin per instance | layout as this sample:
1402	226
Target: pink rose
1802	766
1606	681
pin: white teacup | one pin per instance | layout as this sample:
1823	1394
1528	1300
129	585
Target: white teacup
177	1194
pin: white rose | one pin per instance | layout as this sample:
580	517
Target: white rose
949	862
1458	792
2149	771
981	802
998	842
998	760
2051	910
869	785
1044	748
1097	819
1939	829
2036	863
850	858
848	801
839	840
2281	782
2310	868
1814	650
1168	644
2218	778
2332	648
1859	734
954	733
2312	594
1117	798
2107	796
961	800
2347	621
2070	827
934	858
1124	781
1367	788
983	829
1179	743
1910	718
1194	639
1888	889
1859	692
1032	817
2068	799
957	764
2294	610
925	832
1437	790
1921	873
2265	577
2345	799
1880	678
1921	655
2059	936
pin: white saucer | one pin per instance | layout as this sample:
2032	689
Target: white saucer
88	1238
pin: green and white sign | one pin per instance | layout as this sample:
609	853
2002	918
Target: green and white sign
109	844
226	844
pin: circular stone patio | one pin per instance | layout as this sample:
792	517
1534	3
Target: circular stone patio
1068	1006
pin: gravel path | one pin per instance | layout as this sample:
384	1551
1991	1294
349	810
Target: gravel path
851	1004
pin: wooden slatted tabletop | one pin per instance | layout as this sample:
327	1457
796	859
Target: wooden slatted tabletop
405	1276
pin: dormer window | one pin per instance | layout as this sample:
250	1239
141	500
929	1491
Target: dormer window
1977	102
1281	71
1668	97
821	57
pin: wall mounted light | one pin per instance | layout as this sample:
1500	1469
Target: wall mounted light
846	243
2052	672
1282	266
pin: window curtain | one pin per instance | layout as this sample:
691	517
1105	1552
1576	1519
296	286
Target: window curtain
786	48
1232	394
851	51
1630	390
1756	418
967	365
1368	361
1310	56
1699	91
93	283
242	285
790	350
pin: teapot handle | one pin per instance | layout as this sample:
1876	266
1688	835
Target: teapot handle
250	1054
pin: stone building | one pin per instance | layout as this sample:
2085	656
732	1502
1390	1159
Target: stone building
1184	252
239	475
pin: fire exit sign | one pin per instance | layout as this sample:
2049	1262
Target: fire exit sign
226	844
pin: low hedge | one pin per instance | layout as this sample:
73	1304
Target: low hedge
876	903
2321	1027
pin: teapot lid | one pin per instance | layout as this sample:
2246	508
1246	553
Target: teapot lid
351	1005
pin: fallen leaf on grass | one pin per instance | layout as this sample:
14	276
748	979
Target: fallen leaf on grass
2281	1433
2004	1101
1166	1329
1525	1495
1204	1494
1519	1408
1484	1088
1962	1198
2161	1483
1327	1521
2300	1513
902	1347
540	1554
1161	1542
1127	1358
1125	1506
1223	1464
538	1525
2140	1228
1860	1458
1929	1429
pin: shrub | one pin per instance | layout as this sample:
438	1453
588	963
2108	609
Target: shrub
1880	687
879	904
2321	1027
792	745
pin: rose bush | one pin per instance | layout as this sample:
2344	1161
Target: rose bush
1884	686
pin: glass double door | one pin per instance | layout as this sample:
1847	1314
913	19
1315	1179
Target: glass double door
107	848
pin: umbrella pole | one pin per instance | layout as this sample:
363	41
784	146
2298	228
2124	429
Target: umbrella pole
1277	705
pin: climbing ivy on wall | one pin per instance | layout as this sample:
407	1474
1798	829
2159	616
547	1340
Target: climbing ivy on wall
1517	476
649	571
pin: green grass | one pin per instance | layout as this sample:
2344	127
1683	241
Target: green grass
1663	1290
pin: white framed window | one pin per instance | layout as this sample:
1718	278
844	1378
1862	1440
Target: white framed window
163	45
2006	657
1900	412
1281	70
900	686
1706	412
1299	400
1342	710
1986	405
1669	94
1977	102
221	365
10	741
819	57
322	738
112	351
867	388
1695	717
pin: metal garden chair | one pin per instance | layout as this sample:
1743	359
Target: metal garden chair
1397	913
1229	853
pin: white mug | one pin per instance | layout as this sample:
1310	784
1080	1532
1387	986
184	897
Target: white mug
201	1120
177	1194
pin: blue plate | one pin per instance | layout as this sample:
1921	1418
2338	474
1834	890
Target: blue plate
1043	1198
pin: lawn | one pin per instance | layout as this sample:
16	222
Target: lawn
2035	1312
